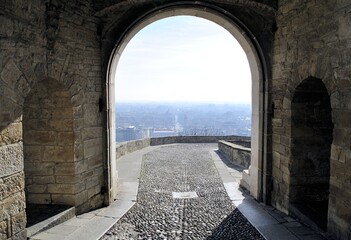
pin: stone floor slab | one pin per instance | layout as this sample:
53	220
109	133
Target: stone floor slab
276	232
47	236
62	229
255	214
93	230
117	209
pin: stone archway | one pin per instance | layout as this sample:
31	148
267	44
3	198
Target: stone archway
48	145
254	177
312	136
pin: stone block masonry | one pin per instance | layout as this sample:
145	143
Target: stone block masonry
312	40
50	86
236	153
48	144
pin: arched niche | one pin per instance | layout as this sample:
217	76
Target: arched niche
311	139
48	145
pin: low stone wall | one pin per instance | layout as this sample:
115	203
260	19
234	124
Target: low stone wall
193	139
237	152
128	147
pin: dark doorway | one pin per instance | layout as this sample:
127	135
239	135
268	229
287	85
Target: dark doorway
312	136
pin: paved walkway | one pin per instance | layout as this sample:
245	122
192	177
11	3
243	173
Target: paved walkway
182	196
93	225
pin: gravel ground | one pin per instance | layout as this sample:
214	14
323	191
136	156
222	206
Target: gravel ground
157	214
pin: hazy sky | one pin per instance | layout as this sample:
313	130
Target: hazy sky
183	59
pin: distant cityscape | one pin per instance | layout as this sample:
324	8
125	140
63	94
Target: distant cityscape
147	120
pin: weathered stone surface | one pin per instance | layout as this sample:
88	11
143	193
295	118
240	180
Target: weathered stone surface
11	159
58	154
92	147
90	133
65	169
95	161
65	199
20	235
11	134
39	168
18	223
12	205
10	73
93	191
67	179
11	185
81	197
39	198
81	166
3	230
61	188
36	188
93	181
43	179
236	153
40	137
65	138
32	153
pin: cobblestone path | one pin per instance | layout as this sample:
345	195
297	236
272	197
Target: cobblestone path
181	196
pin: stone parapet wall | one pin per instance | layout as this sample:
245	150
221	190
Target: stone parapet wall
193	139
131	146
236	153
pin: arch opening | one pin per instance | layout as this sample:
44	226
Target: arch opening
312	136
167	85
253	177
48	146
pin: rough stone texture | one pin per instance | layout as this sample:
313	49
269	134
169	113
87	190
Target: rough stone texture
236	153
48	142
11	159
194	139
45	41
313	39
11	185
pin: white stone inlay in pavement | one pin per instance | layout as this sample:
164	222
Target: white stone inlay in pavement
184	195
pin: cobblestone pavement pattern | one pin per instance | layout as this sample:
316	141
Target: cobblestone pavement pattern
158	214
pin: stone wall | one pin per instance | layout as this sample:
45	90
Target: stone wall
41	40
237	154
49	145
194	139
132	146
313	39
